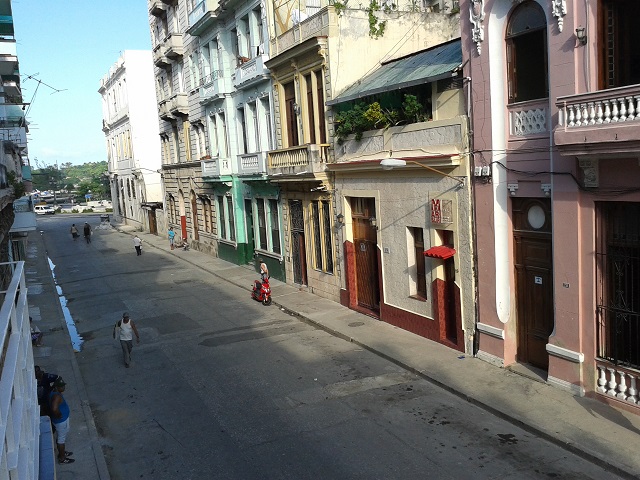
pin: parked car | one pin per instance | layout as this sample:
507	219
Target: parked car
44	209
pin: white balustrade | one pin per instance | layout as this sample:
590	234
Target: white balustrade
618	109
618	383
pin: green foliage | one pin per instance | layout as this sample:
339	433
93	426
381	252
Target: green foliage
376	27
83	178
362	117
18	186
340	7
413	109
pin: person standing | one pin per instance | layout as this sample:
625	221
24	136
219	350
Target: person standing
137	242
74	232
172	236
127	330
59	411
87	232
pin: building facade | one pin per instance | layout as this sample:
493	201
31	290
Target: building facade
132	141
555	103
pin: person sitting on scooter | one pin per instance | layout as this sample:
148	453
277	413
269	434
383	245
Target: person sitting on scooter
264	271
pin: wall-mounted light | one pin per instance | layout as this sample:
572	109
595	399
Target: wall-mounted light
296	108
340	219
581	35
512	187
374	222
546	188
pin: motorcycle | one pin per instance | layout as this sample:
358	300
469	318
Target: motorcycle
262	291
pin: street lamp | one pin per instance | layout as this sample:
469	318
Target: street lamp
391	163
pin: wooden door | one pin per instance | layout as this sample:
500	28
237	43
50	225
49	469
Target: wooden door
153	226
365	241
298	250
534	280
248	215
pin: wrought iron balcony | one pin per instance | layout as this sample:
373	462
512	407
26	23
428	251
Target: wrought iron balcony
601	122
212	86
303	160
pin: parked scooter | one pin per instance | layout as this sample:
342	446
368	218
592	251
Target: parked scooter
262	291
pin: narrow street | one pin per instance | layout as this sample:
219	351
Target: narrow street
222	387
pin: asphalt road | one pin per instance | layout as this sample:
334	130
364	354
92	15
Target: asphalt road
222	387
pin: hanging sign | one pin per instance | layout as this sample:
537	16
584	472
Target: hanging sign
441	211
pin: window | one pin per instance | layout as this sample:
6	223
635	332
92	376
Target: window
221	218
310	109
418	283
619	55
322	240
618	285
213	135
275	225
291	115
262	224
526	44
232	226
206	214
242	131
222	136
265	108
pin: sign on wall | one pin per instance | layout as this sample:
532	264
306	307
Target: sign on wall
441	211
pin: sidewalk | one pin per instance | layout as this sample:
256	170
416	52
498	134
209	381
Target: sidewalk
587	427
57	356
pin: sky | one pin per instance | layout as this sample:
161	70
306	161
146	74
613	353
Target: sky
70	46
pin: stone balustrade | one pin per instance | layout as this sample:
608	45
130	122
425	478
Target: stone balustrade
618	383
615	105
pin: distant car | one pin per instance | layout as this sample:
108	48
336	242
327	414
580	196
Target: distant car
44	209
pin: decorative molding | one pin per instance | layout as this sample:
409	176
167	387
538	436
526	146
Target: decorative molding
490	330
559	10
576	390
576	357
528	122
476	15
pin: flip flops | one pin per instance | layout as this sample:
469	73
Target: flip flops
66	460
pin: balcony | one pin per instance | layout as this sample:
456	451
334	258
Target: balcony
174	46
8	57
11	85
24	217
212	86
528	119
160	59
251	163
163	110
216	167
202	17
253	69
179	104
447	137
304	160
157	8
599	123
316	25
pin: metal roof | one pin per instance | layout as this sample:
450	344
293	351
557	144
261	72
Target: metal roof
423	67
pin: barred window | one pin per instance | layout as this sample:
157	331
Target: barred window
262	224
221	218
232	226
275	225
322	241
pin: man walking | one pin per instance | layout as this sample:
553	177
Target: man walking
60	418
87	232
137	242
127	330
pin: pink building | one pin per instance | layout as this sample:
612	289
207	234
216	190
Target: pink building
556	121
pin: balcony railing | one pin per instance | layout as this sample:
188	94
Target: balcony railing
251	163
303	159
618	382
19	410
528	118
212	86
163	110
201	17
157	8
447	137
606	121
160	56
316	25
174	45
216	167
247	71
179	104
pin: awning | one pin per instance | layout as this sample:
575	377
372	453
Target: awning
419	68
442	252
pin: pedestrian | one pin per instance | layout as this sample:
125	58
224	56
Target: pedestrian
74	231
87	232
172	236
36	334
59	411
126	329
137	242
45	382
